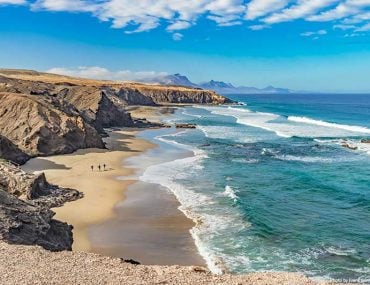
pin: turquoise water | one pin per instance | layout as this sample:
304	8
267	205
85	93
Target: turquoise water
271	186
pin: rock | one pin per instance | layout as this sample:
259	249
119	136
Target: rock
25	223
132	96
98	106
351	147
38	126
186	126
10	151
25	215
131	261
34	187
180	95
365	140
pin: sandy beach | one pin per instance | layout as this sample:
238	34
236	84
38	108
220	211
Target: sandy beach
100	224
101	189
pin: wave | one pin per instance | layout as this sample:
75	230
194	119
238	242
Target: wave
308	159
288	127
229	192
211	222
351	128
228	133
191	115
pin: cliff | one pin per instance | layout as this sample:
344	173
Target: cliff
25	215
40	126
44	114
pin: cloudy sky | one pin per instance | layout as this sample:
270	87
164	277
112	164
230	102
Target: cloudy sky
318	45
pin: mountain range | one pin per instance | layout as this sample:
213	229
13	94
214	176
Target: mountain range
217	86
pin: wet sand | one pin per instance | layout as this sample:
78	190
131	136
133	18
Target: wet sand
149	228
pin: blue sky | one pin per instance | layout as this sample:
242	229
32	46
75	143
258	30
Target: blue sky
316	45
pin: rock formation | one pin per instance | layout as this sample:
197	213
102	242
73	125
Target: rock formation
10	151
39	127
25	215
46	114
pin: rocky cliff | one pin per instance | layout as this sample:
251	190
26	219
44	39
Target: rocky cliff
178	94
25	215
45	114
39	125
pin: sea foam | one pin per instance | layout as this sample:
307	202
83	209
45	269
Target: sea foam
355	129
229	192
288	127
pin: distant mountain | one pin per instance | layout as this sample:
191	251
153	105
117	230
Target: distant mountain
217	86
174	79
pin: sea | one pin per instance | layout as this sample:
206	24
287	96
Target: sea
274	183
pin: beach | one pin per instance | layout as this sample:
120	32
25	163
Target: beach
100	188
152	227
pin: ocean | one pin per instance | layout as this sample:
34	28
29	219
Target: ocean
271	185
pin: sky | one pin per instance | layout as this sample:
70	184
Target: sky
311	45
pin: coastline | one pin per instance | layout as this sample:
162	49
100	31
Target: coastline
118	215
101	189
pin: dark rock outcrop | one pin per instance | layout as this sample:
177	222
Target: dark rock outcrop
25	215
25	223
365	140
29	187
10	151
186	126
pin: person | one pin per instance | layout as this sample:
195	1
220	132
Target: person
104	166
92	167
99	167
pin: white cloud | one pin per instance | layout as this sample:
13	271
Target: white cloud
145	15
96	72
257	27
302	9
179	25
177	36
343	9
316	34
364	28
12	2
344	27
65	5
134	16
259	8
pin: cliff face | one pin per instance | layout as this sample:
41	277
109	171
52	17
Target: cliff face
45	114
25	215
38	127
181	95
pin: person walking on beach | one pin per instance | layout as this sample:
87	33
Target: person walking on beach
104	166
99	167
92	167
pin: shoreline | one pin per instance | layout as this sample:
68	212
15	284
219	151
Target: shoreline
106	196
102	191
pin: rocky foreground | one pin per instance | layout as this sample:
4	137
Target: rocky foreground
25	215
33	265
